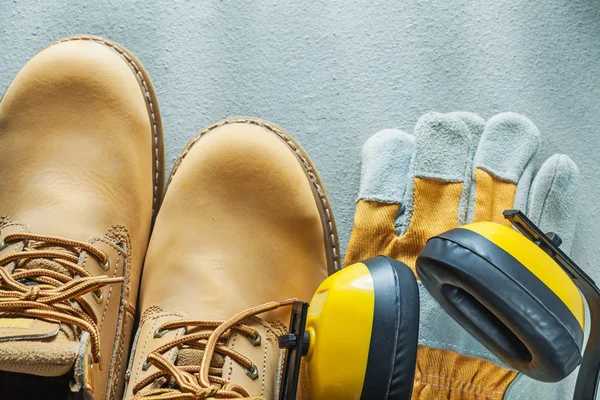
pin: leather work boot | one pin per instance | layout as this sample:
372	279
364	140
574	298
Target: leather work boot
81	160
245	225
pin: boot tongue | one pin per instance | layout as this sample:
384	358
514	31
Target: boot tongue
188	357
33	346
46	263
36	347
193	357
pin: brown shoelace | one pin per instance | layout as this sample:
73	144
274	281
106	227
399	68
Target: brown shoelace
51	295
199	382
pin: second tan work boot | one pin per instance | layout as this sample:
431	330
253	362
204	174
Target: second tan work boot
245	223
81	173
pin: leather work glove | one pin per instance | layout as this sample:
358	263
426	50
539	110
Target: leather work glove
455	170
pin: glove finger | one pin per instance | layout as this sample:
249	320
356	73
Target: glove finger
553	198
508	143
474	122
432	198
386	160
524	185
441	144
476	125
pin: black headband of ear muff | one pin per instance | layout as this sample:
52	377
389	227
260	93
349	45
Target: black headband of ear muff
502	303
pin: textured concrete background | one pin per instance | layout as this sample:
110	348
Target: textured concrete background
334	72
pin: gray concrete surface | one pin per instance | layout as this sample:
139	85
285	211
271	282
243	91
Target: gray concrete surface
334	72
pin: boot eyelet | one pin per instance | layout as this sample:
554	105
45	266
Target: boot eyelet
3	245
98	296
160	332
147	365
106	264
252	374
255	340
122	246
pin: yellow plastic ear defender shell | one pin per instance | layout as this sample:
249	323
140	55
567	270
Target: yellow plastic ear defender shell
499	286
339	302
536	261
588	379
361	331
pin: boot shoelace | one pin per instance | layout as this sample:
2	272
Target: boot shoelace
198	382
51	295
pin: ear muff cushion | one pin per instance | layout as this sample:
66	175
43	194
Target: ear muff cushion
393	348
500	302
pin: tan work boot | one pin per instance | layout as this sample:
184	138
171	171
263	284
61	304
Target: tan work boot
81	171
245	221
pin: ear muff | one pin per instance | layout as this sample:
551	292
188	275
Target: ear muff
363	325
509	294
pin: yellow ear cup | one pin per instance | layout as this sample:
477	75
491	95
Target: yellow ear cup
345	297
535	260
363	326
508	293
